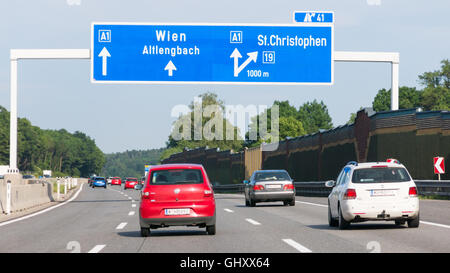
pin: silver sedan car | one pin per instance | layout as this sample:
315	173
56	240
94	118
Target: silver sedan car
269	186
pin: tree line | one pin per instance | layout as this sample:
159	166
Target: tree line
130	163
313	116
74	154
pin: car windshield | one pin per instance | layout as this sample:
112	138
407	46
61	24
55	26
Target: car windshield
176	176
271	176
380	175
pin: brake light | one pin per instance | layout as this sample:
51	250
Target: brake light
392	160
145	195
413	191
350	194
208	193
258	187
288	187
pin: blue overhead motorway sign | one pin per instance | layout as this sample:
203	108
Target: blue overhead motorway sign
212	53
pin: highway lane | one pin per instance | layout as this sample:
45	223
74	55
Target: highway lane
99	220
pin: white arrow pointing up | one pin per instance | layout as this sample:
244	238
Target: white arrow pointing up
252	56
236	55
171	67
104	54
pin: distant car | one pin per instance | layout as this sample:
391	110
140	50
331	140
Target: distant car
177	195
269	186
130	182
108	180
116	181
28	176
90	180
98	182
373	191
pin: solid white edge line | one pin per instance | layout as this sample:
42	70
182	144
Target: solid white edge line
297	246
97	249
423	222
314	204
434	224
251	221
121	225
43	211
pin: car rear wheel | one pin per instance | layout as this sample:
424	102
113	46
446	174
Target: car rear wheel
292	203
343	224
211	230
246	202
331	221
399	222
145	232
414	223
286	203
252	203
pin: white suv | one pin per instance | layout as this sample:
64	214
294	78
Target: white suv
373	191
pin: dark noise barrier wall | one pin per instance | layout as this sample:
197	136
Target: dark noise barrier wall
411	136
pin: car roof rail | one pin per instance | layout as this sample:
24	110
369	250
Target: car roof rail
352	163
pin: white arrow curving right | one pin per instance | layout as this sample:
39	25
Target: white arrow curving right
252	56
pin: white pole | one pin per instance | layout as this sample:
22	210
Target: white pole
65	187
8	197
13	119
58	184
394	87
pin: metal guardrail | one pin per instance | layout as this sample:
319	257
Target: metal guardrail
318	189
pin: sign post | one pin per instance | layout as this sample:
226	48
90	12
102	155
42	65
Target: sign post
288	54
439	166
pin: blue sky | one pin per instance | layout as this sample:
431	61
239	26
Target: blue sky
56	94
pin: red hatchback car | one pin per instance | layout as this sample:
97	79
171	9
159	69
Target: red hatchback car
116	181
177	195
130	182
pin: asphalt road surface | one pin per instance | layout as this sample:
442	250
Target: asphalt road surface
106	220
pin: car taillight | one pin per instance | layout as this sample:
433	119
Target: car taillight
258	187
350	194
288	187
145	195
412	191
208	193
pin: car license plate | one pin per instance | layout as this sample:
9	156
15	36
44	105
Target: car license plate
177	211
382	192
274	186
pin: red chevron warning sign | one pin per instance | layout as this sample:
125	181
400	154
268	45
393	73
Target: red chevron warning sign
439	166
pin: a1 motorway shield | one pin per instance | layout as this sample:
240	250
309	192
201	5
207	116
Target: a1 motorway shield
212	53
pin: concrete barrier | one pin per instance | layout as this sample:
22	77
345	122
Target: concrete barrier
26	194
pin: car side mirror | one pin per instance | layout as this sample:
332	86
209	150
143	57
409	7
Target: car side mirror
330	184
139	187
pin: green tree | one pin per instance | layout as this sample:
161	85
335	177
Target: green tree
409	97
434	96
195	137
314	116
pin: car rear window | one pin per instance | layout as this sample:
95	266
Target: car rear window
176	176
380	175
271	176
99	178
132	179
